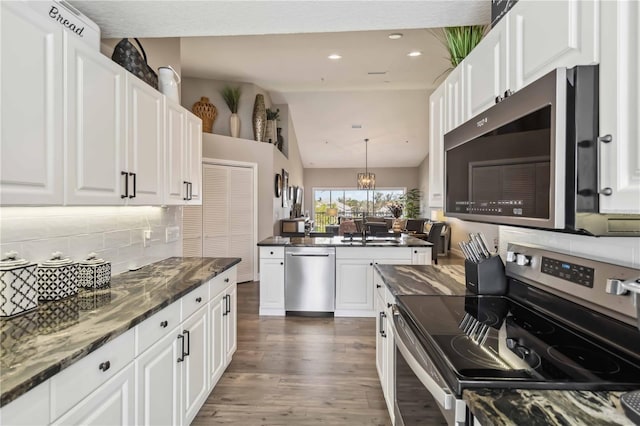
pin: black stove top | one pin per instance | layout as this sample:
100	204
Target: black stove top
484	341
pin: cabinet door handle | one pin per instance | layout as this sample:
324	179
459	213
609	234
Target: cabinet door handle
198	299
134	185
378	286
190	190
389	305
126	185
282	263
380	325
226	280
104	366
371	264
181	357
415	251
186	190
224	310
186	333
607	190
228	297
164	324
271	253
383	333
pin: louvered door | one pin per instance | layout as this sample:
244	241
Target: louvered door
228	215
192	231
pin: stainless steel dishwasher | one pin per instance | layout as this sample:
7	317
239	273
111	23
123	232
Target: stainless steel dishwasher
310	280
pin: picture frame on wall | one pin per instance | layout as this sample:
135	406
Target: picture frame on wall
285	188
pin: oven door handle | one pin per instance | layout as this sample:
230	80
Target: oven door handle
443	397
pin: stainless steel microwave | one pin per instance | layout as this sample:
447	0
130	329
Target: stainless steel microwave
531	160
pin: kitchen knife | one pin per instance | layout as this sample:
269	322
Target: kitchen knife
483	244
474	256
475	250
464	250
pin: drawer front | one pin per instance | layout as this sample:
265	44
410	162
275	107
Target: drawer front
220	282
195	300
400	253
379	285
272	252
76	382
157	326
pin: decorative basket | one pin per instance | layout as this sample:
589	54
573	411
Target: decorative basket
18	285
93	272
57	278
207	112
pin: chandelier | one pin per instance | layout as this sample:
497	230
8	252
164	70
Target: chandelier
366	180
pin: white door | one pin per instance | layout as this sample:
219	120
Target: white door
175	150
272	283
95	120
110	404
158	375
354	285
436	147
228	215
485	71
145	142
195	380
620	106
545	35
217	338
31	123
193	158
231	323
454	104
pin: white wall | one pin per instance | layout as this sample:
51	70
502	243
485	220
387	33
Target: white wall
619	250
423	185
114	233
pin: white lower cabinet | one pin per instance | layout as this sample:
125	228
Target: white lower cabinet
217	348
272	281
159	377
29	409
385	344
231	323
110	404
194	380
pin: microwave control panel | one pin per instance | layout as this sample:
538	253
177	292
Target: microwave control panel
572	272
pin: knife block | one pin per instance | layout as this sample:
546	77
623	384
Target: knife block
486	277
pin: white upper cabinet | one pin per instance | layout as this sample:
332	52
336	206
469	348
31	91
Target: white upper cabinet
436	147
620	106
175	162
95	137
551	34
194	159
485	71
31	124
145	142
454	95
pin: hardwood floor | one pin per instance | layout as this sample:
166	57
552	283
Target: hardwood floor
298	371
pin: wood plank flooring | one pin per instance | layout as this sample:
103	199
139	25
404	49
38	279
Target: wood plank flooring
298	371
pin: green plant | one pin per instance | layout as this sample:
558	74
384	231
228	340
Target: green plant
412	203
460	41
231	96
273	115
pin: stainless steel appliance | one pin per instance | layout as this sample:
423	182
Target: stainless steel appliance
532	160
558	327
309	280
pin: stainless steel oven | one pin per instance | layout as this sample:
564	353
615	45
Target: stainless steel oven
563	324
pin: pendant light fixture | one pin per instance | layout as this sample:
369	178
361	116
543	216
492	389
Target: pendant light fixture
366	180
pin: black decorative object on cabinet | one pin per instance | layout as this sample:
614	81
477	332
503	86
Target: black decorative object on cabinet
278	185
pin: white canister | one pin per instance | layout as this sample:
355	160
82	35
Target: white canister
168	80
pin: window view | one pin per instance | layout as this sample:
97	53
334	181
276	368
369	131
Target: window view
351	203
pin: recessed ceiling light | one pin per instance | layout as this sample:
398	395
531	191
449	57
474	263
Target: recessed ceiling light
334	56
395	36
414	53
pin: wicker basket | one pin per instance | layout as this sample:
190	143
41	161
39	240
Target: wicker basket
207	112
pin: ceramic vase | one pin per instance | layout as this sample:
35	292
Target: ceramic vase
234	125
271	134
280	138
207	112
259	118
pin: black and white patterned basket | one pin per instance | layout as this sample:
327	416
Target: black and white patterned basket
18	286
93	272
57	278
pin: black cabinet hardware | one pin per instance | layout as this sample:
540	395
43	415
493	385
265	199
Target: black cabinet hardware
188	336
271	252
134	185
126	185
371	264
282	263
378	286
164	324
383	333
186	190
181	357
415	251
190	190
198	299
104	366
228	297
226	280
389	305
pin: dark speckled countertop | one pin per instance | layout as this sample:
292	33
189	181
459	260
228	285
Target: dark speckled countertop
391	241
507	407
39	344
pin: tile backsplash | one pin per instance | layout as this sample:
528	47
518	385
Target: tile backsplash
116	234
619	250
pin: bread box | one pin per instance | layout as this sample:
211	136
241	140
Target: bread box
18	285
93	272
57	278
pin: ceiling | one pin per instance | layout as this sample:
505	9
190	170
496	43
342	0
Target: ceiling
282	46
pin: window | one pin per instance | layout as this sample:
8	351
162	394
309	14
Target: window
352	203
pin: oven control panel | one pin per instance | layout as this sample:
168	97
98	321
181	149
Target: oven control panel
572	272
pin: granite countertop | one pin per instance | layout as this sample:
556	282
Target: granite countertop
391	241
36	345
506	407
423	279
